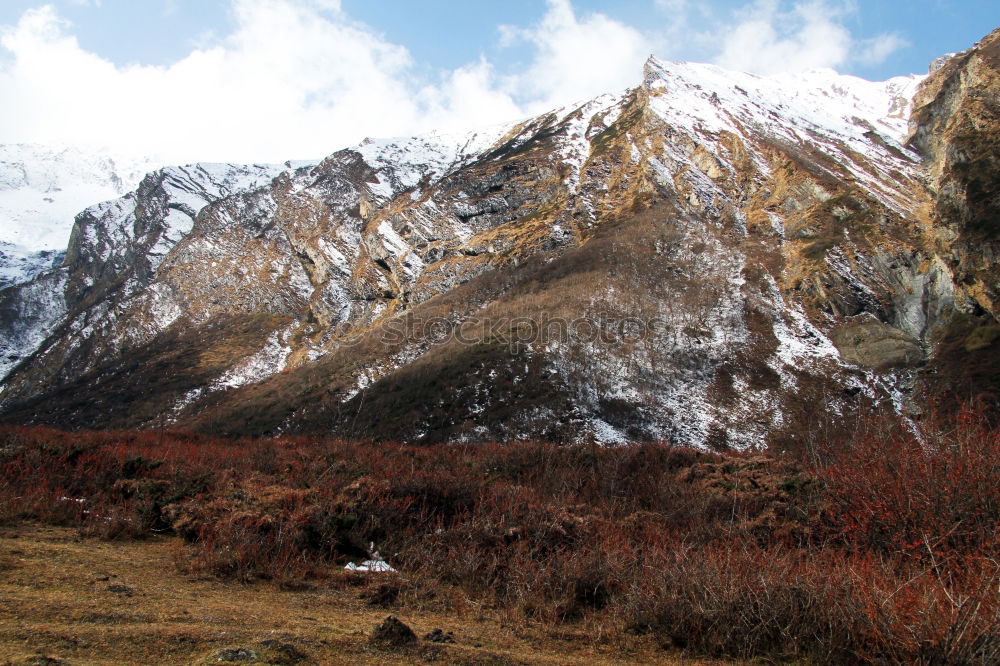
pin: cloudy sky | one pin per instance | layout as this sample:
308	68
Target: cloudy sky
269	80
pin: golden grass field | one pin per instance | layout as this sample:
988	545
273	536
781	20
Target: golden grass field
87	601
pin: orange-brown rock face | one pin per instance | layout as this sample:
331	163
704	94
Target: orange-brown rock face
956	127
711	258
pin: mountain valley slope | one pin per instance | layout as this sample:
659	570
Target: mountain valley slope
711	258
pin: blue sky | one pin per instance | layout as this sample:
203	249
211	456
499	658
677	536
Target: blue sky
276	79
448	33
444	36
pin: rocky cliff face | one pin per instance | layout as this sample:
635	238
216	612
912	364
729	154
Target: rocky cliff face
956	128
41	189
711	258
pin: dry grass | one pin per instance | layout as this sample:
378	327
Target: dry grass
87	601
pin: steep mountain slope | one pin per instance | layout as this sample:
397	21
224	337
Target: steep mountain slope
114	251
956	126
711	258
41	189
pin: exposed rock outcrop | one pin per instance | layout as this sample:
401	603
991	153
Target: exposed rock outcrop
956	127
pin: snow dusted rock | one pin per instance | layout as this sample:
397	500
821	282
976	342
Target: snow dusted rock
114	250
710	258
29	312
41	189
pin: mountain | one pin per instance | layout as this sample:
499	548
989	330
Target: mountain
711	258
41	189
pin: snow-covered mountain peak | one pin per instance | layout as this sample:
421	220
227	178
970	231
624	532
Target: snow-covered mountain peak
42	188
403	162
820	97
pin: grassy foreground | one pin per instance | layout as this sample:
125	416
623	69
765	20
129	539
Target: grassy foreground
88	601
880	545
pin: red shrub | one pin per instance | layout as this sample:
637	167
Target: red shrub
933	490
884	549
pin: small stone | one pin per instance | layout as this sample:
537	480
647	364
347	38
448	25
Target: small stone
439	636
234	655
393	633
284	654
123	590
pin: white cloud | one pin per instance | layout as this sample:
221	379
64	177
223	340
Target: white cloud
469	97
577	58
874	51
294	79
767	39
300	78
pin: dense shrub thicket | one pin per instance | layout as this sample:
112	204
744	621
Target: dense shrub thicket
881	546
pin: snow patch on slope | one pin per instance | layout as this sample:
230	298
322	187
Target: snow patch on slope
402	163
860	123
268	361
37	307
41	190
581	129
711	99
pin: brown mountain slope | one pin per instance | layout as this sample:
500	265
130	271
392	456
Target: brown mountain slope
711	258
